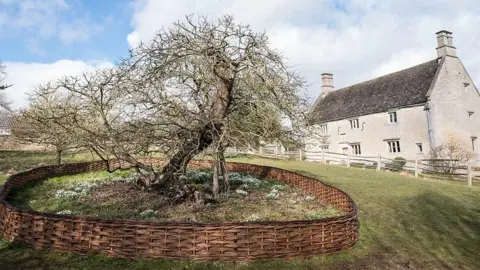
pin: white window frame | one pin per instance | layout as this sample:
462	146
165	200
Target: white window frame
465	85
474	139
393	116
356	149
324	129
419	148
394	146
354	123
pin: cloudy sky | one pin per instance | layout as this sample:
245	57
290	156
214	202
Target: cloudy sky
356	40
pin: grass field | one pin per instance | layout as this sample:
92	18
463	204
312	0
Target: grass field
405	223
24	160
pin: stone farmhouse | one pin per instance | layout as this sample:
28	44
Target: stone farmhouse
405	113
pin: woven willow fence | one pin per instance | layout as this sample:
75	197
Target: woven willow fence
179	240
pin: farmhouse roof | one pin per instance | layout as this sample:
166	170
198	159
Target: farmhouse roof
396	90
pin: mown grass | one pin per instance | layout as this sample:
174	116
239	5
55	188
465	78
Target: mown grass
405	223
11	161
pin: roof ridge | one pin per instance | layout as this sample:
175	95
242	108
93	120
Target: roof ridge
386	75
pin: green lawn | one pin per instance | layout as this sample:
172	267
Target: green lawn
24	160
405	223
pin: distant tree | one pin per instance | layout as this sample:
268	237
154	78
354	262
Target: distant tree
38	124
199	85
4	102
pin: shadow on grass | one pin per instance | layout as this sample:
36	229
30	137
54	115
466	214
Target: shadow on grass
428	230
444	232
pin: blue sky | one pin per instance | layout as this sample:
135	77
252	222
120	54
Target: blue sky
108	22
356	40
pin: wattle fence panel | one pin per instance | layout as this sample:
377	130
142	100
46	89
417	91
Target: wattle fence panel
134	239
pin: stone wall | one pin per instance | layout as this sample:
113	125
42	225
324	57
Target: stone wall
411	128
450	102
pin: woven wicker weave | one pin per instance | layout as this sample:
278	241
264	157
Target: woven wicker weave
178	240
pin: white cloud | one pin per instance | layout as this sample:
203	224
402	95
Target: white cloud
355	39
26	76
41	16
46	19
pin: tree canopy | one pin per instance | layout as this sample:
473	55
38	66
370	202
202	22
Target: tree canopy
199	84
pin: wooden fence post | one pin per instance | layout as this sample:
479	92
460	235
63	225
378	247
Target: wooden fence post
348	160
261	151
300	154
379	162
416	167
469	173
323	155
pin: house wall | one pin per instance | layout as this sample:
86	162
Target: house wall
411	128
450	102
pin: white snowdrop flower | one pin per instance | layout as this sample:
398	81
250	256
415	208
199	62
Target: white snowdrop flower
241	192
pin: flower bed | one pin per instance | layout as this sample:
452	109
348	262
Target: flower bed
200	241
115	195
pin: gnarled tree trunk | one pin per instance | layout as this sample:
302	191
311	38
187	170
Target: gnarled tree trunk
205	136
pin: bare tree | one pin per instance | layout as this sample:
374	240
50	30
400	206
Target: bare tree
4	102
450	155
38	124
200	84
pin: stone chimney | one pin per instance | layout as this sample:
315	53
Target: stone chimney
327	83
445	44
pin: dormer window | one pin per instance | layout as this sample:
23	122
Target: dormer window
354	124
392	117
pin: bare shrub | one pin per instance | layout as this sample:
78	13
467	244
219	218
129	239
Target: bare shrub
450	155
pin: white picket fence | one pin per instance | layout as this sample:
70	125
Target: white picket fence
419	168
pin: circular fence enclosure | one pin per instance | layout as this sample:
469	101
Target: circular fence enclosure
133	239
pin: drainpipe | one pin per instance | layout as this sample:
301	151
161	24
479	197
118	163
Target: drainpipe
431	134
